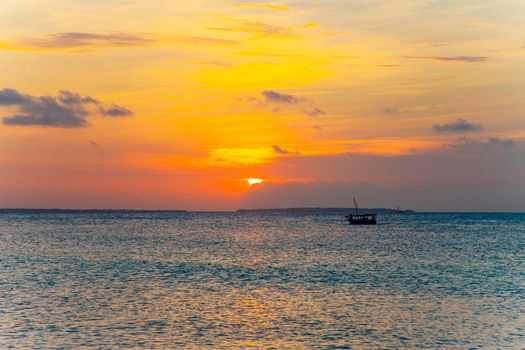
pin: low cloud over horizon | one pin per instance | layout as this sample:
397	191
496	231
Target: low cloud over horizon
428	182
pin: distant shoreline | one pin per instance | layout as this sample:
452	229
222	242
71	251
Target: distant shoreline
259	210
58	210
322	209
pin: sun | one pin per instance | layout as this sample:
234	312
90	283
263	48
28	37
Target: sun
252	181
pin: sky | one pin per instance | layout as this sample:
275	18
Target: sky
175	104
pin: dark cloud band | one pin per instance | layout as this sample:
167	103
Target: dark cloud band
67	110
466	59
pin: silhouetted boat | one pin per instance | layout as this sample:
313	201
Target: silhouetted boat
361	219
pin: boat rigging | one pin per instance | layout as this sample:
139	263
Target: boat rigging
361	219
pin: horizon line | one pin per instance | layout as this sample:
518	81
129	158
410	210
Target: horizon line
240	210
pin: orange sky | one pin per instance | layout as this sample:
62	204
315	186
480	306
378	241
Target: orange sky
162	104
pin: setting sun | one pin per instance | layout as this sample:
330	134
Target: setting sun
252	182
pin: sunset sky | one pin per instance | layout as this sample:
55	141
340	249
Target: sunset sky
175	104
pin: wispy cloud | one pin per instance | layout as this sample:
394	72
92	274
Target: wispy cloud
256	6
390	111
283	151
496	141
253	27
466	59
81	40
460	125
280	101
278	97
115	111
315	112
493	142
67	110
205	40
99	150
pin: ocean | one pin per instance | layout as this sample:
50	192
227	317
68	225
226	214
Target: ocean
161	280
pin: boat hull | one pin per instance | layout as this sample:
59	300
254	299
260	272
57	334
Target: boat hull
367	219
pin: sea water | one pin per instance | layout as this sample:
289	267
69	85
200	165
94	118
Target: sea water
161	280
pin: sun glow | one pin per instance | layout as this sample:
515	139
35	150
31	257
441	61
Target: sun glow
252	182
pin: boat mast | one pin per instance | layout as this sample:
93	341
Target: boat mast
356	210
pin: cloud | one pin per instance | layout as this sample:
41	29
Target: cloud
205	40
90	41
53	119
100	152
283	151
280	150
496	141
460	125
315	112
445	179
263	6
493	142
254	27
116	111
82	40
390	111
70	98
466	59
67	110
440	195
10	97
287	101
277	97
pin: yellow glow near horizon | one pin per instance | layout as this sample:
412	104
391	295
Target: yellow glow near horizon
253	181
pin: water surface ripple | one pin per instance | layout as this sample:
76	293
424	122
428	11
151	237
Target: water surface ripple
274	281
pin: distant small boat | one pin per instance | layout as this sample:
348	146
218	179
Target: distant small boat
402	211
399	211
361	219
